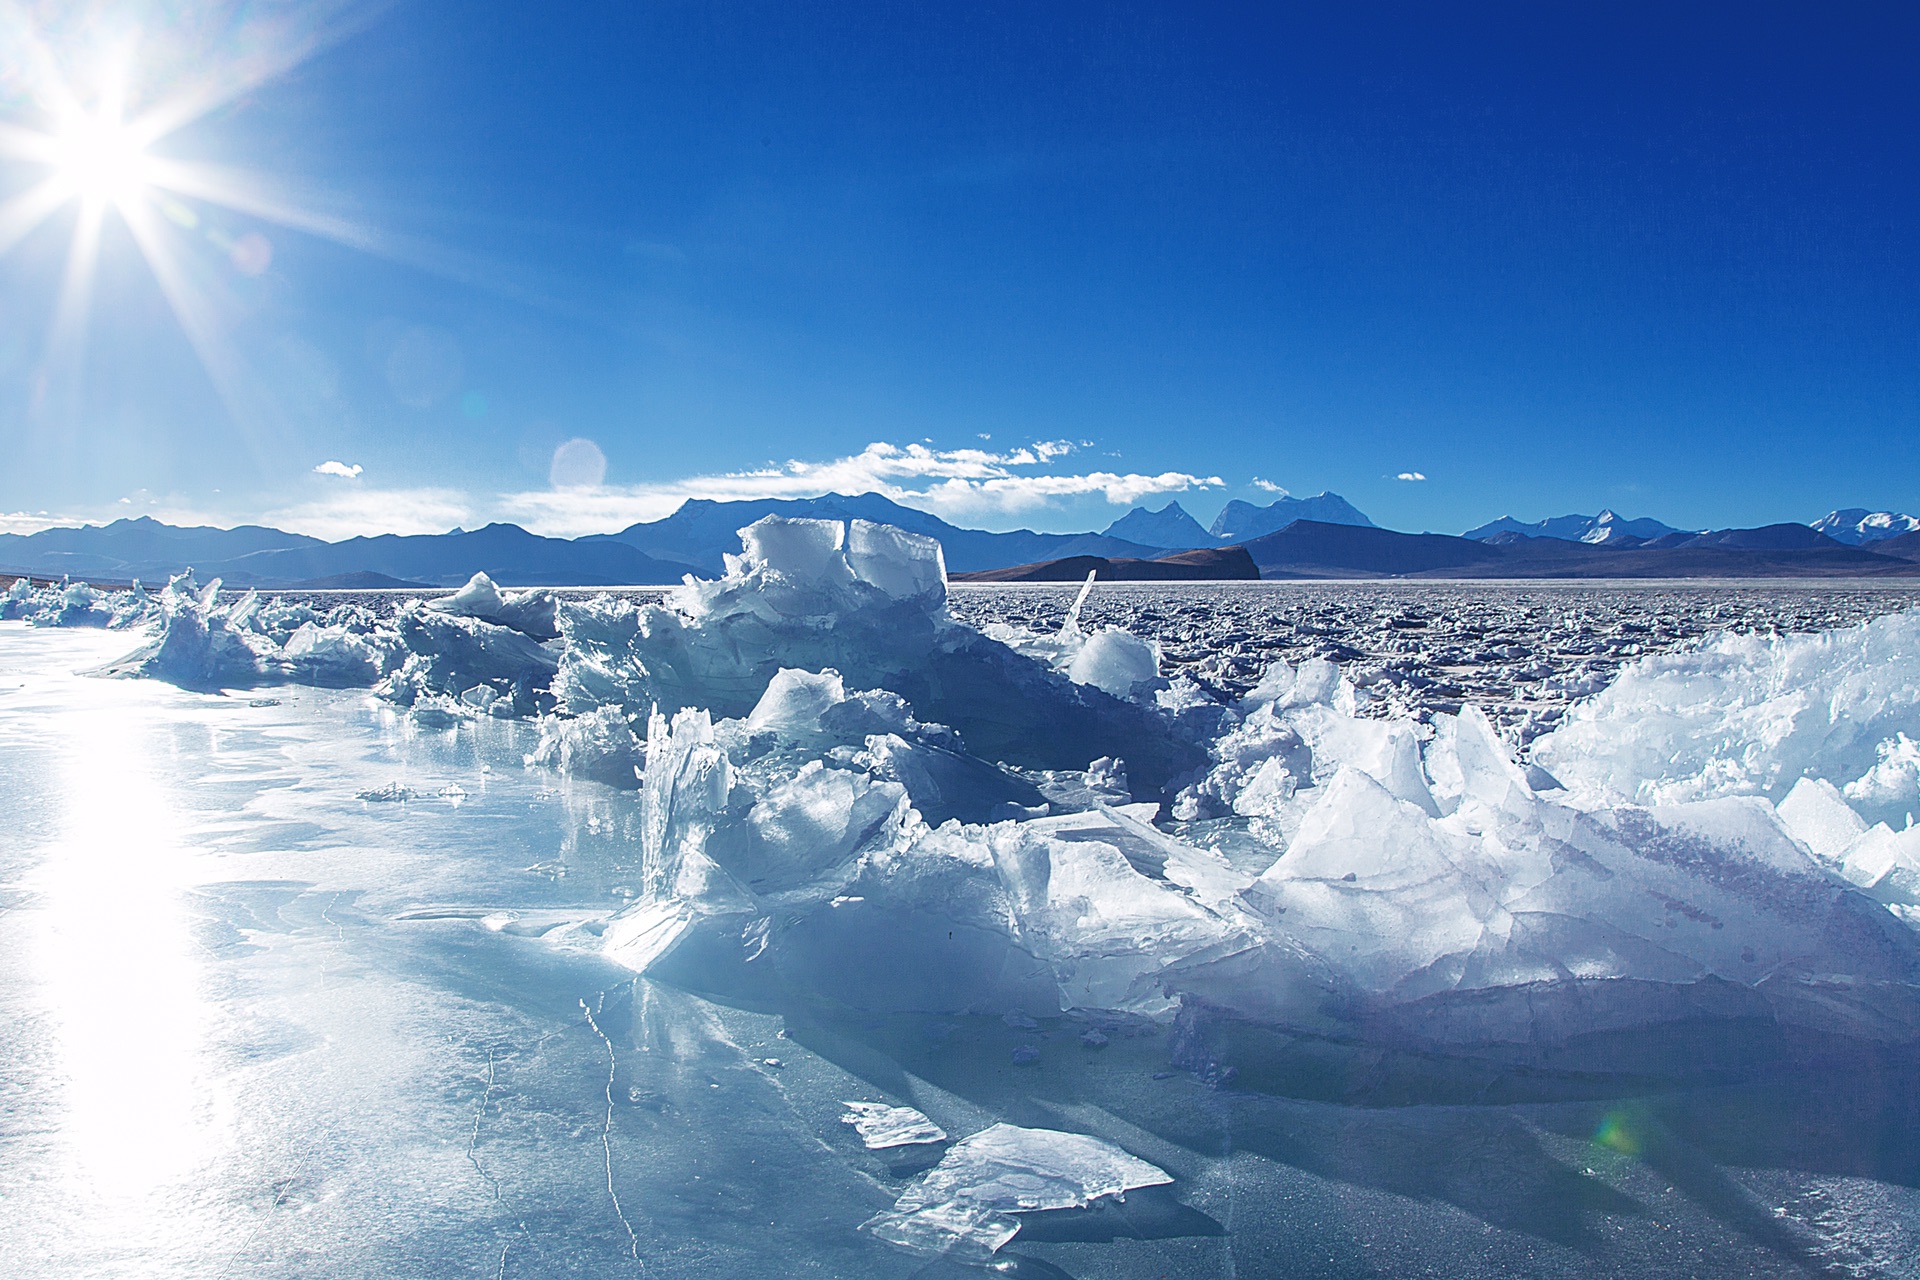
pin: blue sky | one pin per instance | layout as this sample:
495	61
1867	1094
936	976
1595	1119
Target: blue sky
1550	257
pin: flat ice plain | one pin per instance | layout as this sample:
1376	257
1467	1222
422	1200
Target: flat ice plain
300	981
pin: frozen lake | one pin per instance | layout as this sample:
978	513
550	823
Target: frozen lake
257	1024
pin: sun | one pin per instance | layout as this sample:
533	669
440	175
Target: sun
99	158
96	132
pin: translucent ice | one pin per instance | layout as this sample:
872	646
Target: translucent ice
599	745
202	645
881	1126
963	1205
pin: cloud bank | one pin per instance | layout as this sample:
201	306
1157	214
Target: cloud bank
952	483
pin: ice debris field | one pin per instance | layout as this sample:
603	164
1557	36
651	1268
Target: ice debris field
816	927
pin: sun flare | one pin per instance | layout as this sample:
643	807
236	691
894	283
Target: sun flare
98	141
100	158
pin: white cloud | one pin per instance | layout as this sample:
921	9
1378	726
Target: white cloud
1411	475
352	512
341	469
1270	487
948	482
34	521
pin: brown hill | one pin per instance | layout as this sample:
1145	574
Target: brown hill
1211	564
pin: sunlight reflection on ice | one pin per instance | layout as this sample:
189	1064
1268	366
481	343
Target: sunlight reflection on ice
123	976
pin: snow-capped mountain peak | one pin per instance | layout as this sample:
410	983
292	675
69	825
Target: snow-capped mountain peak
1856	526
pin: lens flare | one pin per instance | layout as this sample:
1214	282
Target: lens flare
1617	1131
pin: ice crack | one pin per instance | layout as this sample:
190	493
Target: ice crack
473	1139
606	1131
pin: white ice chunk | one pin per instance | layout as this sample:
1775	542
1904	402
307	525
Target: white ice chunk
1110	934
1818	818
600	745
333	656
881	1126
1894	779
529	612
809	829
198	647
685	791
1373	883
1752	715
1267	789
1116	661
956	1228
795	701
904	565
1487	772
801	551
1885	862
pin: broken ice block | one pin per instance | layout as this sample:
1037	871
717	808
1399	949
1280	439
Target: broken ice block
961	1206
881	1126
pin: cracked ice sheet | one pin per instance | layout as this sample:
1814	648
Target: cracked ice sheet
229	1049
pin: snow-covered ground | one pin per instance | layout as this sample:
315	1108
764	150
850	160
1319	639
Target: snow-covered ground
387	960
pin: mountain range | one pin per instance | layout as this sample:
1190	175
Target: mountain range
1597	530
696	538
1308	549
1857	526
1317	537
1172	529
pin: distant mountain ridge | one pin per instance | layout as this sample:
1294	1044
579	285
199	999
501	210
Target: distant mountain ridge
1605	528
1239	521
1857	526
1217	564
1169	527
250	556
694	539
1308	549
702	532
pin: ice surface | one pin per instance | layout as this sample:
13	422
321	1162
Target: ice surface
963	1205
881	1126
